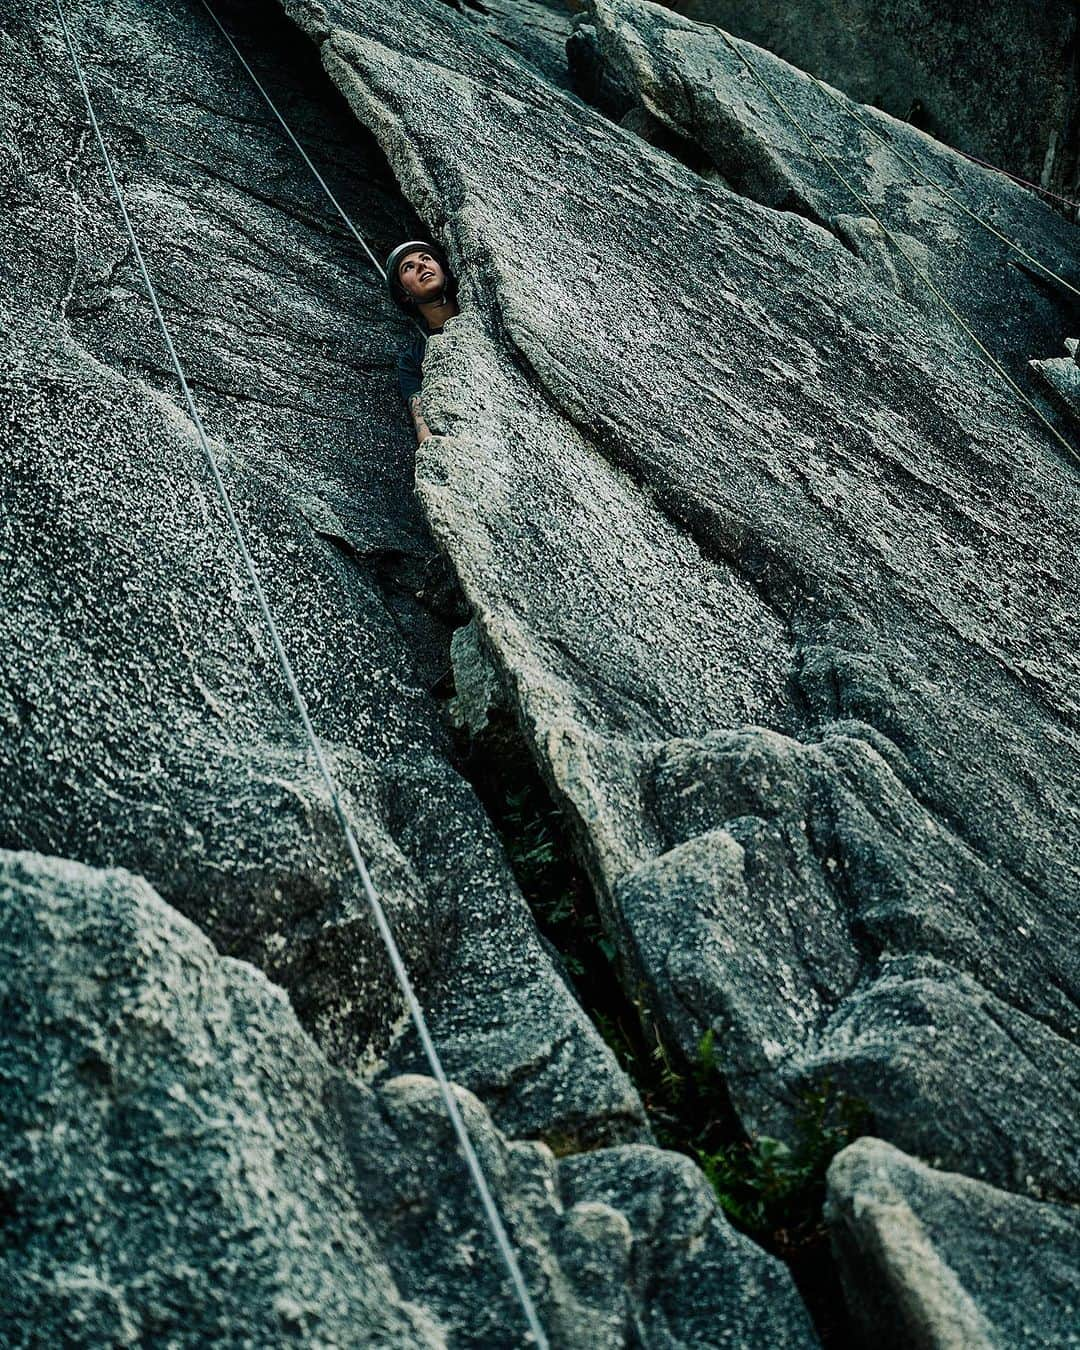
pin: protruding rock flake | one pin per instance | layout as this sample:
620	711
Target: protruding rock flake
1061	375
936	1259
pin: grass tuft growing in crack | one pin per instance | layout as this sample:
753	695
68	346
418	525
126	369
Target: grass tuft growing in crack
770	1189
774	1190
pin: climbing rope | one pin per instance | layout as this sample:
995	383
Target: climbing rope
848	106
303	153
346	218
491	1212
1024	182
922	275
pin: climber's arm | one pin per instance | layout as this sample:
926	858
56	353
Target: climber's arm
410	373
423	431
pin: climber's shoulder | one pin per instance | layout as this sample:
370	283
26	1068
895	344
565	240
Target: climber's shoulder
410	364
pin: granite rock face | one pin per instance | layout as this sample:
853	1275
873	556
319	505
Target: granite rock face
998	81
774	571
935	1259
536	31
146	724
761	127
208	1178
771	570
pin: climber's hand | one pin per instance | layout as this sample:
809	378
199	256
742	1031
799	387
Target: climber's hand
422	429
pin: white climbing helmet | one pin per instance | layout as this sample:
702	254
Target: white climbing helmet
398	293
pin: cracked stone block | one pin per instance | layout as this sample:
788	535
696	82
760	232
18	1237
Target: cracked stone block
207	1176
932	1260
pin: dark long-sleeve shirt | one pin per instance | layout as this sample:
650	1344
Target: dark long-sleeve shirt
410	365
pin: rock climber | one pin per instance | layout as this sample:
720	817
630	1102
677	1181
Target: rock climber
422	285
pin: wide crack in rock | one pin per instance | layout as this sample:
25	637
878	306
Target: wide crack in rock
775	577
702	474
146	720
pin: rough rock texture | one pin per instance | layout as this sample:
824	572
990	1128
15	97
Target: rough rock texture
145	722
1062	377
207	1178
999	81
764	129
934	1259
535	30
776	575
190	1183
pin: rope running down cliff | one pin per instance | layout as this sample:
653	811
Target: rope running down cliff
1070	450
849	107
346	218
401	974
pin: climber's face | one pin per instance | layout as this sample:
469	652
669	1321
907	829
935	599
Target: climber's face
422	276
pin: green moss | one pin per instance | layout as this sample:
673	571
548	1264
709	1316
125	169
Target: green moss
564	1143
774	1189
770	1188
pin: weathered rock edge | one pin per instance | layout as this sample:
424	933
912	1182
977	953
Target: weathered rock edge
935	1259
181	1164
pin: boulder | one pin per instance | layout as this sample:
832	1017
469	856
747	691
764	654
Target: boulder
935	1261
180	1164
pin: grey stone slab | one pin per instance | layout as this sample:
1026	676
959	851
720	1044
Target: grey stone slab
933	1260
1061	375
773	134
182	1165
996	80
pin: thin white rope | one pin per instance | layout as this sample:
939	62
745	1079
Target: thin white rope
923	276
848	106
346	218
304	154
473	1163
1024	182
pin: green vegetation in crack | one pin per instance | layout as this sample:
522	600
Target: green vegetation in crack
771	1189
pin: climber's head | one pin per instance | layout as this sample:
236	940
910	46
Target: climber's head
418	273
